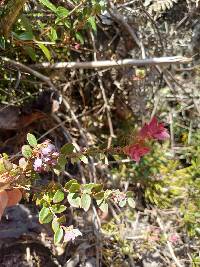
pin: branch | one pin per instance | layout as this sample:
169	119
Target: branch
25	68
10	14
114	63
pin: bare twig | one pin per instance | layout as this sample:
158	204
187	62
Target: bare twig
25	68
76	7
114	63
107	107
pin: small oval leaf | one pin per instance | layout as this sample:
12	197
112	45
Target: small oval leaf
67	149
85	202
131	202
58	197
104	207
55	225
58	235
74	200
31	140
58	208
26	151
45	215
84	159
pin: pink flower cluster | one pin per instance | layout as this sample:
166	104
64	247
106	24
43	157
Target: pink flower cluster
71	233
174	238
118	196
46	157
152	130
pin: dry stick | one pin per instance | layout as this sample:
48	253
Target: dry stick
69	139
113	63
106	104
81	130
23	67
67	105
107	112
75	8
172	131
168	243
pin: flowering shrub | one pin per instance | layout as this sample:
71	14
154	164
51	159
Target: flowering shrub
139	148
45	157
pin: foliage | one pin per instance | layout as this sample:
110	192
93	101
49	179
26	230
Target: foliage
44	157
64	28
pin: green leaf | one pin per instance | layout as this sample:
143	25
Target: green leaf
53	35
122	203
61	162
7	164
2	167
31	140
45	215
74	200
87	188
45	50
104	207
26	151
58	197
97	188
55	225
75	187
48	4
26	23
85	202
84	159
129	194
67	149
30	52
74	160
24	36
62	219
107	193
62	12
58	235
131	202
99	196
92	22
69	183
57	208
79	37
2	42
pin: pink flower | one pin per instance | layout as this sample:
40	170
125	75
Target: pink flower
37	165
48	149
77	46
174	238
118	196
136	151
154	130
71	233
